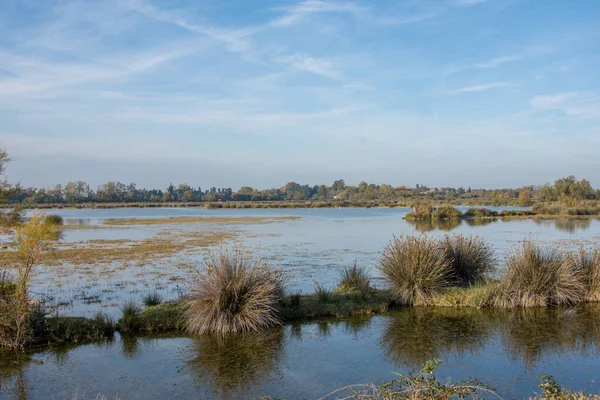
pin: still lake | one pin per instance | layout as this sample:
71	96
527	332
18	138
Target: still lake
508	350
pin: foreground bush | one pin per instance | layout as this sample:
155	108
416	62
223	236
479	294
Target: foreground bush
419	385
471	258
538	277
235	293
415	269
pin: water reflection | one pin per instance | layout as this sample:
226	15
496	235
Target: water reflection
530	334
272	361
12	376
567	225
235	364
428	225
418	334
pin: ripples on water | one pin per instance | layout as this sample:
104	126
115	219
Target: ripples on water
508	350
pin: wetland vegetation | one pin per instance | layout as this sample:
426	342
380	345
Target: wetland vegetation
440	295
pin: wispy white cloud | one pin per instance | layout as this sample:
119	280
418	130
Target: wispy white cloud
306	63
301	11
484	87
235	39
495	62
585	105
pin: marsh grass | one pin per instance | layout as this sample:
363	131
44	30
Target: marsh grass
470	257
416	385
415	269
130	321
537	277
588	262
235	293
354	278
152	299
323	294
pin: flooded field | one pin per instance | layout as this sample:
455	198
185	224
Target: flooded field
108	257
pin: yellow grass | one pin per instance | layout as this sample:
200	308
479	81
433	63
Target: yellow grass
200	220
162	245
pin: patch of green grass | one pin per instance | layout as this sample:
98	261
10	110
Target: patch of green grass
152	299
323	294
473	296
59	330
163	317
130	321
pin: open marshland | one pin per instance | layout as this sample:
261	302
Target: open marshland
110	257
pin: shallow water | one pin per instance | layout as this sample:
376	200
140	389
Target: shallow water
507	350
313	248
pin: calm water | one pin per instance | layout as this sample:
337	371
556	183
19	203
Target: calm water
509	350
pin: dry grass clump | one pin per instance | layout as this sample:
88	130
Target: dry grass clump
471	258
235	293
538	277
415	269
588	262
354	278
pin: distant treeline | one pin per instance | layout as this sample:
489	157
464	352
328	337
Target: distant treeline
565	189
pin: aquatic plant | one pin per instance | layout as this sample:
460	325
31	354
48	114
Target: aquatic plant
323	294
234	293
152	299
419	385
354	278
415	269
537	277
129	321
470	257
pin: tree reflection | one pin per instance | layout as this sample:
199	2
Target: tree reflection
567	225
428	225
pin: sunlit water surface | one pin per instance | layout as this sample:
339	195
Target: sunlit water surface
508	350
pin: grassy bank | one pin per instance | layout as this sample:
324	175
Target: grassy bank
292	308
538	211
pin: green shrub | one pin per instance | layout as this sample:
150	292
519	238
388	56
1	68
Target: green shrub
235	293
471	258
538	277
415	269
479	213
53	219
446	212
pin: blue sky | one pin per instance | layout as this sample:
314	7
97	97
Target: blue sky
481	93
